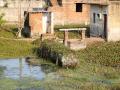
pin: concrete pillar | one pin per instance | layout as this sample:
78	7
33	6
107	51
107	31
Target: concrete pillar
65	37
83	34
52	23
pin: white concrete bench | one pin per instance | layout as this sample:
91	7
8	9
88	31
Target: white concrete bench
72	29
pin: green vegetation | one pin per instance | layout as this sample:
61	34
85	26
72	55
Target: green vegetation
98	68
94	72
2	21
55	47
107	53
58	54
15	48
24	84
8	31
57	27
12	47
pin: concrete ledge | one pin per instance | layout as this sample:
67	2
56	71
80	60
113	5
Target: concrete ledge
76	45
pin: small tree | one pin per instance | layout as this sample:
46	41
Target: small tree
2	21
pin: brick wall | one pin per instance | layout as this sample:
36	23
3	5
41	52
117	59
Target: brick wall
64	14
67	14
35	22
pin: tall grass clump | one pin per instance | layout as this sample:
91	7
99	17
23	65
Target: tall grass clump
8	31
107	54
2	20
57	53
14	48
55	46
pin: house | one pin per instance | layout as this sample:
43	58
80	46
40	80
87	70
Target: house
104	19
98	19
101	15
69	11
62	12
37	23
65	11
11	8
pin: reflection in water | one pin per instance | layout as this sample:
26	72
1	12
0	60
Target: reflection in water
19	68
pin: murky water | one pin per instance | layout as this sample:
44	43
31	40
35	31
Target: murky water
19	68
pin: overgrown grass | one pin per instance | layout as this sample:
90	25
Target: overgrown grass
55	47
11	47
94	71
98	69
89	75
8	31
15	48
107	53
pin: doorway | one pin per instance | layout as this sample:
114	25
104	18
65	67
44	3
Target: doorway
105	26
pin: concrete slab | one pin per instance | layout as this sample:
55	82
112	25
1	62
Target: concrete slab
76	45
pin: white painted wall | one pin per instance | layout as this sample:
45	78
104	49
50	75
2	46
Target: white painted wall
44	22
114	21
2	3
52	23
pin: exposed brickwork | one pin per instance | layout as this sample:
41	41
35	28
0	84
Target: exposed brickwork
62	14
67	14
35	22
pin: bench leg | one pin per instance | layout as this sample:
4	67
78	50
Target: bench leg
83	35
65	38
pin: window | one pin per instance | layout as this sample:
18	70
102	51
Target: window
59	2
48	2
98	15
79	7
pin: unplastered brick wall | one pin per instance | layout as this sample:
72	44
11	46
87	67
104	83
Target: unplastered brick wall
35	22
66	12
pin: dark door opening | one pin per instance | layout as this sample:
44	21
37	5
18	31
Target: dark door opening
105	26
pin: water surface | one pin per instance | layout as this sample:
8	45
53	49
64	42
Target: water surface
19	68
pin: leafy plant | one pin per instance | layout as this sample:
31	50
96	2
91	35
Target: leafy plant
56	47
2	21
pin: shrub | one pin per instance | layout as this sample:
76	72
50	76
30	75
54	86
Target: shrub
57	53
2	21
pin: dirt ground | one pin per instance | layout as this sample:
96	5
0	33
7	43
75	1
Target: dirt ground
93	40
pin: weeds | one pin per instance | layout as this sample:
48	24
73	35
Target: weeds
98	67
14	48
